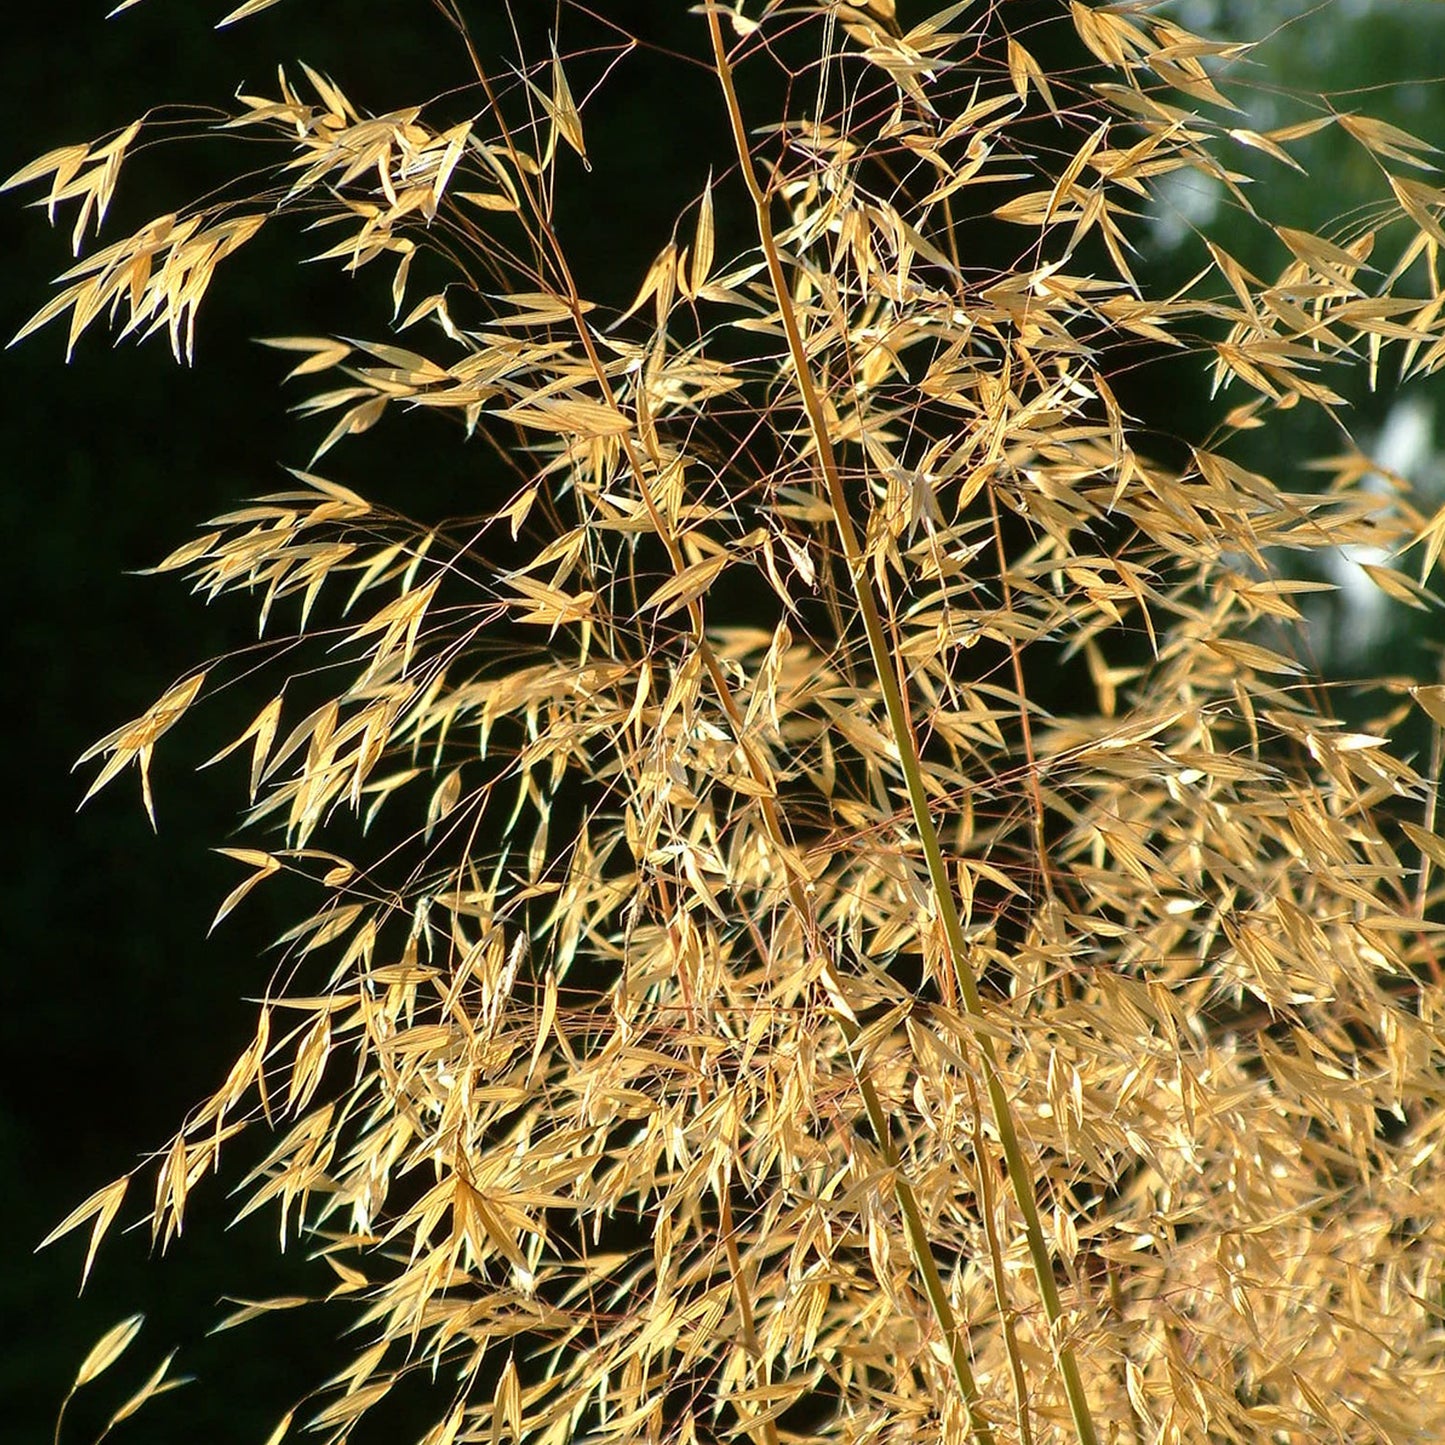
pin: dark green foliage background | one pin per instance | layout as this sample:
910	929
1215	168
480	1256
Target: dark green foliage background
119	1012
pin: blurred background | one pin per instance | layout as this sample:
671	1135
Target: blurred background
119	1011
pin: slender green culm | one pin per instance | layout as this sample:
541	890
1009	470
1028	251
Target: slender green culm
901	730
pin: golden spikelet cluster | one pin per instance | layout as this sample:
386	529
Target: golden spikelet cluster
748	1013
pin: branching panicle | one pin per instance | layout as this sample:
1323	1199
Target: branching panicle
742	999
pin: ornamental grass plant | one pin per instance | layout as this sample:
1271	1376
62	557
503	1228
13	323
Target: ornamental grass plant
841	909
